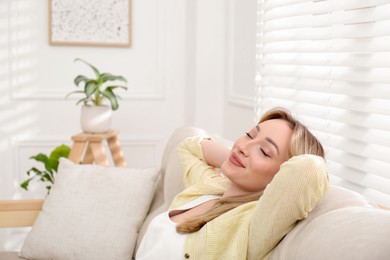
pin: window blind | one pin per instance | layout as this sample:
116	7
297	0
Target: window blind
328	62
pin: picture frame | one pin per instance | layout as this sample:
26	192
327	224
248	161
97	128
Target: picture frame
90	22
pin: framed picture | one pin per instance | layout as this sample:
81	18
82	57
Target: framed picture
89	22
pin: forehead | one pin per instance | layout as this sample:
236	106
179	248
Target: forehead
275	124
278	130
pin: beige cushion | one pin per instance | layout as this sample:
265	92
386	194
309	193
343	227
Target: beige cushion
92	212
342	226
10	256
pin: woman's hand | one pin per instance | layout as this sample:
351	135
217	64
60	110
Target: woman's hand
215	154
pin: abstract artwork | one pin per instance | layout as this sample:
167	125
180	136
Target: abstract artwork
89	22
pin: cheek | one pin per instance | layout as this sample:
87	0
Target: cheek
227	169
265	170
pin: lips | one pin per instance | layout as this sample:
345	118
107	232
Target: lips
235	160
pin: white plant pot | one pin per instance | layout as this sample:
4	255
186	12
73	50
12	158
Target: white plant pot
95	119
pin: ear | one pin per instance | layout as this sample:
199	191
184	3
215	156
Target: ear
300	183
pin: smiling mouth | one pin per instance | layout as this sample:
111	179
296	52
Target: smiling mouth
235	160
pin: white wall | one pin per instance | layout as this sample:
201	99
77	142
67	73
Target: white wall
190	63
223	69
240	68
35	116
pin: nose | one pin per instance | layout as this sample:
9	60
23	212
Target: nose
243	148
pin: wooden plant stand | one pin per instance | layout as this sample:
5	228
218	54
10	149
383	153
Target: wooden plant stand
89	148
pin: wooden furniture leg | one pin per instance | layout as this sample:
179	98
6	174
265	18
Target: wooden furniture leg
77	151
88	156
89	148
99	154
116	151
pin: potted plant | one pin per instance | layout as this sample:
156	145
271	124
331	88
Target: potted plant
95	113
50	164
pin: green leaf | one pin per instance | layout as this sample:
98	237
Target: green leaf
94	90
46	177
111	97
24	185
43	159
97	73
80	78
51	166
109	77
60	151
85	100
116	86
40	158
73	92
90	88
34	170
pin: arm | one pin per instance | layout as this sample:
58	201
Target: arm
192	160
199	156
215	154
301	182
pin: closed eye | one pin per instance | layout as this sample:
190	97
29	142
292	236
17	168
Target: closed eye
249	135
264	153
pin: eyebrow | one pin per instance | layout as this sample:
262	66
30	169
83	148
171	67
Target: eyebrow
269	140
273	143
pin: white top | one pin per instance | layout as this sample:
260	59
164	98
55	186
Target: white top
161	241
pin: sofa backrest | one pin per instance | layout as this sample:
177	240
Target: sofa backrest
344	225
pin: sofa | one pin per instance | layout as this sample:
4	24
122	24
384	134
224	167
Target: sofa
343	225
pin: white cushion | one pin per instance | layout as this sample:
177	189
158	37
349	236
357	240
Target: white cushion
92	212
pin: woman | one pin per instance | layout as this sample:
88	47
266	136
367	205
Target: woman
219	215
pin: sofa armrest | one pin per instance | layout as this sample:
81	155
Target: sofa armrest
19	213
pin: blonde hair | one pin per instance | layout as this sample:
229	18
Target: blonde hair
302	142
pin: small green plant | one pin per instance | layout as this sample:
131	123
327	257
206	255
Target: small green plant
50	163
96	89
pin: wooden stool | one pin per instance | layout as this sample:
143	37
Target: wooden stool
91	145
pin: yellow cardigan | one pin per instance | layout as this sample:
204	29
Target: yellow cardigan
252	230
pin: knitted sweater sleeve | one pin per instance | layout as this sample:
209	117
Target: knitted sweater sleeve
195	167
199	178
300	183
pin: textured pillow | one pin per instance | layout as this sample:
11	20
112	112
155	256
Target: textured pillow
92	212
